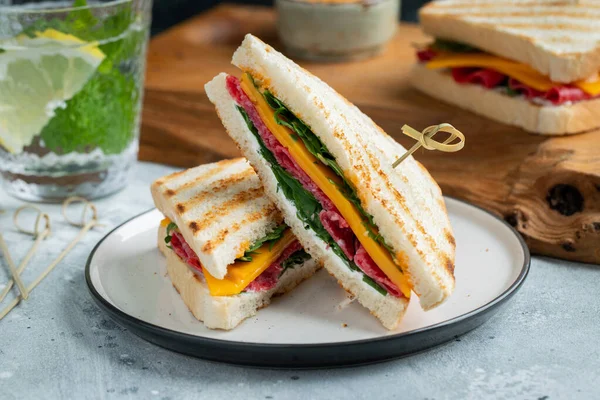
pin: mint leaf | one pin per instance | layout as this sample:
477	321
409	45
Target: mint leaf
81	20
104	114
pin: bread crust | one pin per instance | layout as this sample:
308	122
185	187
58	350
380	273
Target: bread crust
225	312
499	27
544	120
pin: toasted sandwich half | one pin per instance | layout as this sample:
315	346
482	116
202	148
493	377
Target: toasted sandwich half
380	232
227	248
533	64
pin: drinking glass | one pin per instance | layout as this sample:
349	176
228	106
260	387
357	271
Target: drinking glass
71	85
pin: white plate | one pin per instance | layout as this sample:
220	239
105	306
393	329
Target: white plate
126	275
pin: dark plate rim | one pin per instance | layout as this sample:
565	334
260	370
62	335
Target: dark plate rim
250	346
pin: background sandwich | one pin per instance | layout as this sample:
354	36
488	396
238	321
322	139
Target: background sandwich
532	64
380	232
228	250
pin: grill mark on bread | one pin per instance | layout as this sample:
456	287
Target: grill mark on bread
220	185
219	167
180	208
224	209
399	198
449	237
362	176
193	227
448	264
442	205
265	212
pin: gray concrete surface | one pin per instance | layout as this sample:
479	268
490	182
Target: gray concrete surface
544	345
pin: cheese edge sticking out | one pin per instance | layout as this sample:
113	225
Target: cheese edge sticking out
521	72
322	176
241	273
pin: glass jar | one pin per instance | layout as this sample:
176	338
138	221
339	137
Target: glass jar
336	30
71	84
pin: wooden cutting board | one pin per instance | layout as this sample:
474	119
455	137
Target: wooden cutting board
548	188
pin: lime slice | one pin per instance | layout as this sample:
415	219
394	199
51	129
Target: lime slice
37	76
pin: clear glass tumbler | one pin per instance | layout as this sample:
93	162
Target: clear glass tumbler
71	85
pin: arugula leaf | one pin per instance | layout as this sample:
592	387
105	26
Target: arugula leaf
295	259
369	281
454	47
377	237
511	92
307	205
283	116
170	228
270	238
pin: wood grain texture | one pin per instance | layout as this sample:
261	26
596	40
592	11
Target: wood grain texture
548	188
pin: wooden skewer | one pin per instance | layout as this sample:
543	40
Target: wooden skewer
13	270
425	139
39	237
86	226
49	269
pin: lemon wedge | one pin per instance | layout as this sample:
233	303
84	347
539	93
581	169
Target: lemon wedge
37	76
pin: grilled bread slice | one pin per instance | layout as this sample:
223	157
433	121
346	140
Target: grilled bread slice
224	312
406	203
545	120
220	209
556	37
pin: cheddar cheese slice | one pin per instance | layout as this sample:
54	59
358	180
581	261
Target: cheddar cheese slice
241	273
521	72
329	183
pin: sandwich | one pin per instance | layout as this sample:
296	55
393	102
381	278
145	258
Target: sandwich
381	232
533	64
227	249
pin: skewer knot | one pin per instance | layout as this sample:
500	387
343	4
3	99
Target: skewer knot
425	139
37	230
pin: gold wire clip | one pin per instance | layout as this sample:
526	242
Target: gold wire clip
425	139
